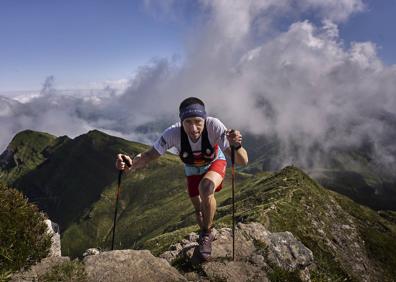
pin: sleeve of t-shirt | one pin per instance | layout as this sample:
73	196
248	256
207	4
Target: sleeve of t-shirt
166	140
219	133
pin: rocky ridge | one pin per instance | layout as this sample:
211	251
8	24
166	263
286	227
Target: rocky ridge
258	255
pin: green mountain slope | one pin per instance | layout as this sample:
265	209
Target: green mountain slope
350	242
153	201
75	183
150	200
69	175
349	171
27	150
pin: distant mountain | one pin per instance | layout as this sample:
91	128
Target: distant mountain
74	181
63	176
346	170
26	151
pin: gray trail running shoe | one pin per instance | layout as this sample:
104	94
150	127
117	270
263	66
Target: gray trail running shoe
205	244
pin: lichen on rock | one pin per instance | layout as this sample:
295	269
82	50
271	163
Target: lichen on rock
257	253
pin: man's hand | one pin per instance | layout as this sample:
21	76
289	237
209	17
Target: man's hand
123	162
234	137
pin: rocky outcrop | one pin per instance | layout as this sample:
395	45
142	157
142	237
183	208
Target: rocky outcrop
257	252
129	265
345	242
53	230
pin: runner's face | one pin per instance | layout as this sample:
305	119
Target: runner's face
194	126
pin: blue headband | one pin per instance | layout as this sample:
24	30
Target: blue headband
193	110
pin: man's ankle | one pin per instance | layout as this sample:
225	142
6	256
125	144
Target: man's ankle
207	230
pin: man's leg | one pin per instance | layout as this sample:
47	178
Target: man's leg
196	201
207	188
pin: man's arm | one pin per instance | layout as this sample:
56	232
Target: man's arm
235	137
138	162
241	156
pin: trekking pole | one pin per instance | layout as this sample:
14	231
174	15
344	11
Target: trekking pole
233	199
116	203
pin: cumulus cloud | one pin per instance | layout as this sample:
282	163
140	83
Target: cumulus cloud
303	86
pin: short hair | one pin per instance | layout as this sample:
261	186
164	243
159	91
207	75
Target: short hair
190	101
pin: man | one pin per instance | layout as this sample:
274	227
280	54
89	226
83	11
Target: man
201	142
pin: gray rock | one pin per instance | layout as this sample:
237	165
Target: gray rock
233	271
188	251
192	276
259	260
169	256
186	241
176	247
255	231
287	252
91	252
305	275
192	237
129	265
222	247
252	262
53	230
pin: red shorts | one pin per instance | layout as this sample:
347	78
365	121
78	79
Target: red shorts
193	181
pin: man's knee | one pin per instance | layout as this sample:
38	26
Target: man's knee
206	189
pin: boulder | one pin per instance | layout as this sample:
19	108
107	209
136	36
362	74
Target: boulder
257	251
233	271
53	230
91	252
129	265
285	251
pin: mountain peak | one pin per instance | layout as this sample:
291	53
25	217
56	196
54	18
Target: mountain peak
93	135
26	148
95	132
31	138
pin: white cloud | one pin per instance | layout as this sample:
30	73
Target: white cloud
302	85
118	85
334	10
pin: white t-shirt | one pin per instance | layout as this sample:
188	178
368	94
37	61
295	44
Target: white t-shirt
171	137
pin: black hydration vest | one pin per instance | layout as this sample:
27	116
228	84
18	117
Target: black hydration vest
204	157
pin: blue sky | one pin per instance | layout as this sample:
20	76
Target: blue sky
81	42
376	25
78	41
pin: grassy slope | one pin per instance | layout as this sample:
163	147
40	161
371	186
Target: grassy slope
151	201
348	171
154	202
73	176
290	200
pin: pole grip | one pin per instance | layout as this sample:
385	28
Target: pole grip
126	161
